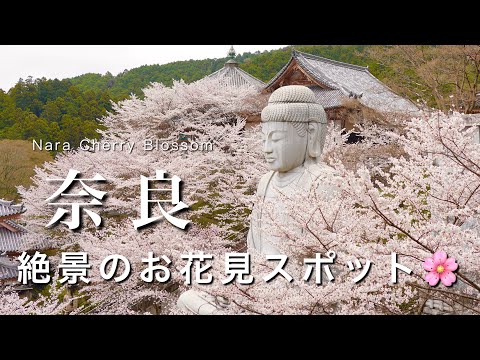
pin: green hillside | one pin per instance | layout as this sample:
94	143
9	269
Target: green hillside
68	109
263	65
17	161
51	110
134	80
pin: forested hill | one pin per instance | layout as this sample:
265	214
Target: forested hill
262	65
134	80
68	109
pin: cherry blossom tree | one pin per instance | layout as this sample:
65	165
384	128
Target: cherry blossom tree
218	185
423	201
423	198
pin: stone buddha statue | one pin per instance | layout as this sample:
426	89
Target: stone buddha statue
294	127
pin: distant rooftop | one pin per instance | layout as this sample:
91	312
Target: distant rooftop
232	75
7	208
18	241
334	81
14	237
8	268
12	240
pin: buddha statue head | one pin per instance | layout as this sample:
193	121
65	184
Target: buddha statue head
294	127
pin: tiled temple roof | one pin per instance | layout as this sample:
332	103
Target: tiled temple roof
20	240
8	268
7	208
342	81
232	75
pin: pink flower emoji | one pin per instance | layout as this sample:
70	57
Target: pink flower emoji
440	268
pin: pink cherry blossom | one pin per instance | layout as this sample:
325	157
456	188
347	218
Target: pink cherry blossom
440	268
422	192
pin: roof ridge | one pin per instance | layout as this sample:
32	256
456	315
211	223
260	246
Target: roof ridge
334	62
406	98
213	73
331	83
243	72
5	261
279	73
8	208
17	226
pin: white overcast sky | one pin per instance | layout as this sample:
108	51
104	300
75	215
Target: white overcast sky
63	61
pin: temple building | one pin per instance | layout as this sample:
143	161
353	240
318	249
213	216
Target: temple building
8	270
14	239
336	83
232	75
350	94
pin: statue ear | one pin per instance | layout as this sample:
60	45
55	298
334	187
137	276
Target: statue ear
314	140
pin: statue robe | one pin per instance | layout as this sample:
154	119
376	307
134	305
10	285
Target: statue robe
309	180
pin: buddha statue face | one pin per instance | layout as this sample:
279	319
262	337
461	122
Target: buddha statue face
283	146
293	127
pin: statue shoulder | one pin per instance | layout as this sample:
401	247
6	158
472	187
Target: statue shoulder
263	183
323	178
320	170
